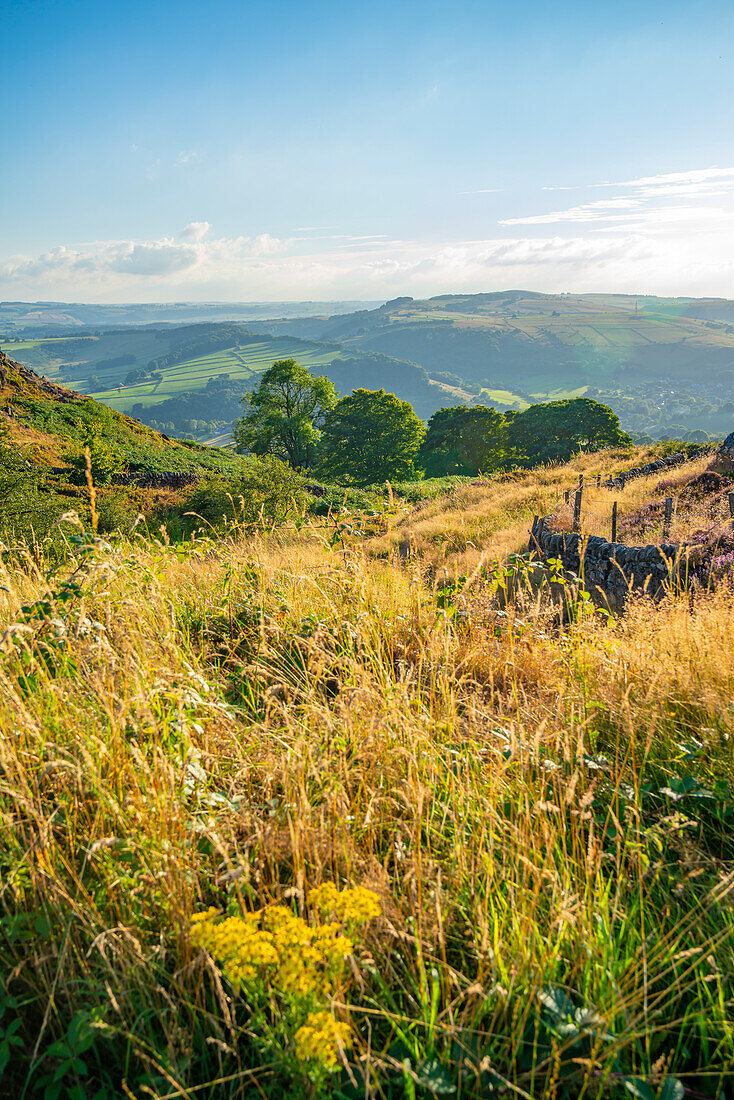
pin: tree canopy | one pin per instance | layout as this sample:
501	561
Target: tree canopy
464	439
556	430
284	414
370	436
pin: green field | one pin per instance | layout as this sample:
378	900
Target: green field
193	374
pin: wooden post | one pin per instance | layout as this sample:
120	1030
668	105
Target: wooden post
577	510
581	481
731	509
614	522
668	517
598	481
566	495
531	542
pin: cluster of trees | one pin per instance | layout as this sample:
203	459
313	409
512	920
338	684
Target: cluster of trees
142	374
116	361
371	435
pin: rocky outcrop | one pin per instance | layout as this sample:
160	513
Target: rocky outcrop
15	376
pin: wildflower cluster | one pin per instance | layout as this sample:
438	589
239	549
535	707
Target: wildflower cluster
273	949
351	906
320	1039
274	946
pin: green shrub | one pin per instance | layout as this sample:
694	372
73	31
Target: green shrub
268	491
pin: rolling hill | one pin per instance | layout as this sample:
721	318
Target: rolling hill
190	378
657	361
665	365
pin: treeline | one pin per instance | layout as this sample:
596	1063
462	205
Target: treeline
116	361
372	435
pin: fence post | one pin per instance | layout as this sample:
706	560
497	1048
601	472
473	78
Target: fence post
577	510
668	517
598	481
566	495
533	534
581	481
614	522
731	509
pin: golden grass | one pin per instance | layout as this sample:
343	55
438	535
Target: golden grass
478	522
236	723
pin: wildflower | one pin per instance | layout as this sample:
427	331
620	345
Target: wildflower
281	949
357	904
243	950
321	1038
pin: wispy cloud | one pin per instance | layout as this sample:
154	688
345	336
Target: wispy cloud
484	191
586	212
183	159
648	202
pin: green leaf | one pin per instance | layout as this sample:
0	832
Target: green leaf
672	1089
432	1075
557	1002
639	1088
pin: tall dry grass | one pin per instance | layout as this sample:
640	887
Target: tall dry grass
543	809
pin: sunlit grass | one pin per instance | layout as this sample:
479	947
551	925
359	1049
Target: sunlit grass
541	802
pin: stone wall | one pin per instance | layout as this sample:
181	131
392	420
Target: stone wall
156	479
611	571
659	464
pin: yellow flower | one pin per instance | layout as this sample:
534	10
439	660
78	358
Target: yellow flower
320	1039
275	946
357	904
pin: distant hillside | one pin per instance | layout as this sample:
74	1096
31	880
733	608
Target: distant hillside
665	365
27	317
657	361
189	379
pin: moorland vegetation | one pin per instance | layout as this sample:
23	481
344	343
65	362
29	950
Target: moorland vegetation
361	801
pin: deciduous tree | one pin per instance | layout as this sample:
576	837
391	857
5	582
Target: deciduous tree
370	436
556	430
464	439
284	414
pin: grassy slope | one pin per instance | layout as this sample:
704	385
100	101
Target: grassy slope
241	722
51	428
239	363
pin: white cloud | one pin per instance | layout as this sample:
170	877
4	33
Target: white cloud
587	212
657	234
670	203
184	158
195	231
696	175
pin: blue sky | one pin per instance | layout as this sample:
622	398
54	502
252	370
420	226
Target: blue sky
238	151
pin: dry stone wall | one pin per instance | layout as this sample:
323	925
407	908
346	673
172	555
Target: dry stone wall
156	479
658	465
611	571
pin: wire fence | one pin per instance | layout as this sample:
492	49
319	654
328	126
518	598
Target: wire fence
688	516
